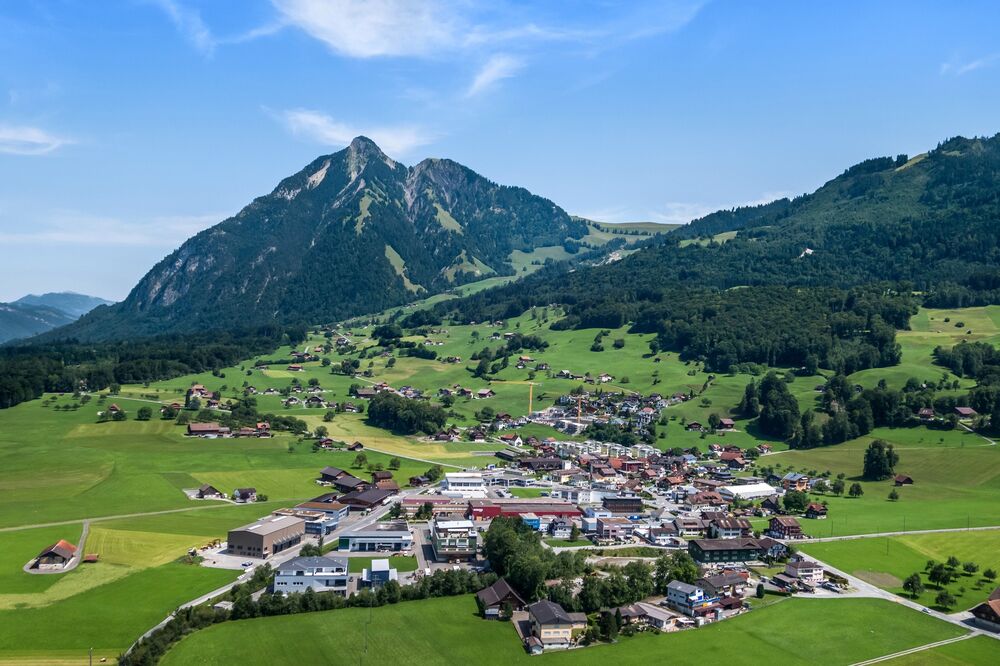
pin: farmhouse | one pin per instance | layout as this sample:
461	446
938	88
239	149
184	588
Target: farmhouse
266	537
816	511
206	430
987	615
903	480
55	557
492	599
784	527
966	413
210	492
552	627
365	499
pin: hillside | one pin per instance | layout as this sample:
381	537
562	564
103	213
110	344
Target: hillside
73	304
20	320
352	232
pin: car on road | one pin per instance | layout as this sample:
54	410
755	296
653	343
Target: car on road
926	610
246	564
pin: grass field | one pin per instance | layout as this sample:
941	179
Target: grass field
887	561
448	631
401	563
971	652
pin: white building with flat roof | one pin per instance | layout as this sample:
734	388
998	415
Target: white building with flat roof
464	484
750	491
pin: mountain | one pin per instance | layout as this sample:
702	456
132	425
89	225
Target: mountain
19	320
797	272
31	315
352	232
73	304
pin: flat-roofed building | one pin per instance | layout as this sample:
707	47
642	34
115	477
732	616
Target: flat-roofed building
321	574
266	537
749	491
463	484
391	536
454	539
439	505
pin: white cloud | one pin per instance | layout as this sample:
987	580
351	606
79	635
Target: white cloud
188	21
21	140
957	68
321	128
680	212
78	228
494	70
370	28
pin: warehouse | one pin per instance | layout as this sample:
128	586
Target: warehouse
266	537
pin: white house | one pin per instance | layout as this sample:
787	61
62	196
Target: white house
322	574
468	485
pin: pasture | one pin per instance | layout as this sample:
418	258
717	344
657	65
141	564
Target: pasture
448	631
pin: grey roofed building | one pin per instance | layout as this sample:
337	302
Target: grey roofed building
498	593
313	563
548	612
681	586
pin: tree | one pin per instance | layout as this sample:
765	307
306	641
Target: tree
945	599
880	460
990	575
795	501
144	414
953	562
970	568
760	590
913	585
574	533
856	490
394	463
820	486
940	575
609	630
321	431
893	495
837	487
360	460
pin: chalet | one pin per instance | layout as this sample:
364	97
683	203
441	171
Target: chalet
772	550
795	481
693	425
356	446
365	393
724	551
604	378
726	424
733	460
243	495
367	499
330	474
987	615
926	414
903	480
966	413
206	430
482	394
725	584
805	571
381	475
512	439
347	483
552	627
784	527
291	401
294	367
763	448
210	492
816	511
541	464
418	481
771	505
496	597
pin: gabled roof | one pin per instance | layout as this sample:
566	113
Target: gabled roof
497	592
547	612
62	548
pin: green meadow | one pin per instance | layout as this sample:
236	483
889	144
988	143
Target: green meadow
448	631
972	652
887	561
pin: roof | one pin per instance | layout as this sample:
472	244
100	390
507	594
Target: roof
332	471
681	586
492	595
297	563
271	525
203	427
726	544
787	521
547	612
368	496
62	548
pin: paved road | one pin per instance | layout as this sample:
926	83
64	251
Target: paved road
900	533
919	648
73	563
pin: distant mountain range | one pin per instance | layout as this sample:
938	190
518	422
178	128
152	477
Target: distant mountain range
351	233
33	314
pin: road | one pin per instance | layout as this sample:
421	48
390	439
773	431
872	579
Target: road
919	648
98	519
874	535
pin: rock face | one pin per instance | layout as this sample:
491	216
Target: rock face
352	232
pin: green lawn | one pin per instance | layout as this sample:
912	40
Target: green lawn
887	561
527	492
402	563
971	652
566	543
448	631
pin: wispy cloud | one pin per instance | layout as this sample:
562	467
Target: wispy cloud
79	228
494	70
956	67
189	23
682	212
22	140
321	128
370	28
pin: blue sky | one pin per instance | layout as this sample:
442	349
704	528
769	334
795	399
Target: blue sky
127	125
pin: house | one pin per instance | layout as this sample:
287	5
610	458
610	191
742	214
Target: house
624	504
685	598
494	598
294	367
378	574
804	571
649	615
482	394
381	475
795	481
903	480
784	527
771	505
210	492
693	425
773	550
966	413
320	574
724	551
553	627
356	446
726	424
512	439
366	499
725	528
347	483
330	474
266	537
55	557
725	584
987	614
242	495
734	460
926	414
561	529
206	430
417	481
614	529
816	511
